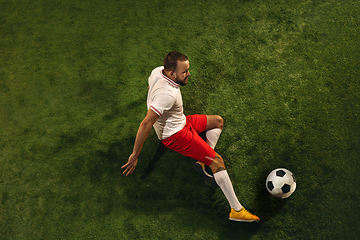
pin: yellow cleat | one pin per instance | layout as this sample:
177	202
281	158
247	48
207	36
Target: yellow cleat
206	173
242	215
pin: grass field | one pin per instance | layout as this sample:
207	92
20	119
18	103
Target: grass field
73	82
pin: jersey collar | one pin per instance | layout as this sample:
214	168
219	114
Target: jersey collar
172	83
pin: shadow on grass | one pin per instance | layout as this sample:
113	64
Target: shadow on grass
173	189
266	206
176	185
161	149
239	230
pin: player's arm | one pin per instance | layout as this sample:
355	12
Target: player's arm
142	133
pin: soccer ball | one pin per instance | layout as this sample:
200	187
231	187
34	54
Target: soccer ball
281	183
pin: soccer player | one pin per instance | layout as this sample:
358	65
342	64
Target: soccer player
181	133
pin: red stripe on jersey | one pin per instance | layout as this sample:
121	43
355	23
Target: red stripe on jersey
174	84
155	110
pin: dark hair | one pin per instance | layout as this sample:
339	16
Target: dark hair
171	60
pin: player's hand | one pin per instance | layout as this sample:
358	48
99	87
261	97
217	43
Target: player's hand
130	165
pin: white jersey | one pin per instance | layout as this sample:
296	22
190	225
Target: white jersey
164	98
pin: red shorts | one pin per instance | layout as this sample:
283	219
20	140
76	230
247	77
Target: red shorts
187	141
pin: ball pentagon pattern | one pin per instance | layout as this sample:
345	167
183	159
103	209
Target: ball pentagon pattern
281	183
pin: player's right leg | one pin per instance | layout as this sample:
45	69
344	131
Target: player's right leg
188	143
238	212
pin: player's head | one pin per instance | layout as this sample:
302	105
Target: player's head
171	60
177	65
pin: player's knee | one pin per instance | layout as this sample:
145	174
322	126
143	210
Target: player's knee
217	164
220	121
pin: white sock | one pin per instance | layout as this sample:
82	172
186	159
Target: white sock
212	137
223	180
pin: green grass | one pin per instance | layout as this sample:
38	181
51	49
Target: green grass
73	84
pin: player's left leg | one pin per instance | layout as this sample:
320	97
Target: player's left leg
214	127
214	121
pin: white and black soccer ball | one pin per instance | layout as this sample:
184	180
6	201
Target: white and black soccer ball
281	183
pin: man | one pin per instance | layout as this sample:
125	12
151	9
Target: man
181	133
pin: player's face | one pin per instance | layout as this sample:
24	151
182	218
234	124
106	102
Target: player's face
182	73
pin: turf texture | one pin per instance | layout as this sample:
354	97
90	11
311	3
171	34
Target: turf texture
73	85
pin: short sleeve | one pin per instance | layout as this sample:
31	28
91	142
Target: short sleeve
162	103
